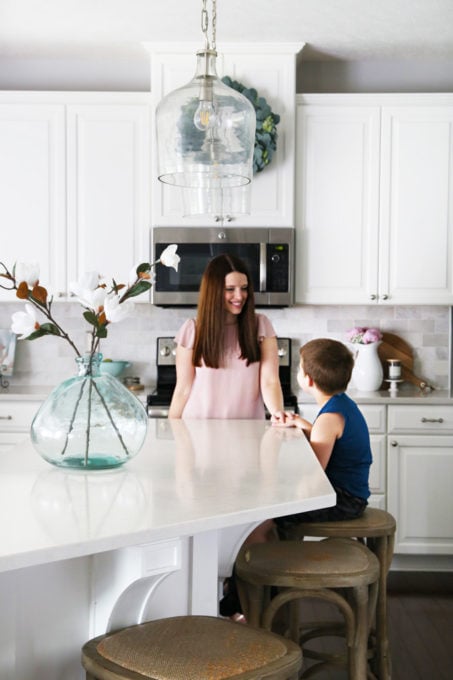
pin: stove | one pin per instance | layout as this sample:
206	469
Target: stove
158	402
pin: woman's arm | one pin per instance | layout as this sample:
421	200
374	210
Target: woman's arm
185	374
269	377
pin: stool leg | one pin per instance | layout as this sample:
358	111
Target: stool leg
255	602
358	671
382	646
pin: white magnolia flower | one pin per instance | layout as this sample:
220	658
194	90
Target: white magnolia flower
28	272
24	323
169	257
87	281
87	291
114	311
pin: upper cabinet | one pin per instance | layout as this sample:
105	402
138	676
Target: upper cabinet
108	173
271	70
74	177
33	185
374	189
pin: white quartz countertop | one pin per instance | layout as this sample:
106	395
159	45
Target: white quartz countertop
190	477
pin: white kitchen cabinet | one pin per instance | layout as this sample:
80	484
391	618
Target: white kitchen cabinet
420	470
374	186
375	417
74	178
337	200
416	220
33	185
108	161
270	69
15	420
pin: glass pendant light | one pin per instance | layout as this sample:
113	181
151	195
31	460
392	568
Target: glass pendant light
206	135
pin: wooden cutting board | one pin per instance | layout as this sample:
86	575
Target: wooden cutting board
394	347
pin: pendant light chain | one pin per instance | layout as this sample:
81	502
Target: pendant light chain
205	24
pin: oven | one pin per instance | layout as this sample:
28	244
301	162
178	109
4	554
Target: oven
158	402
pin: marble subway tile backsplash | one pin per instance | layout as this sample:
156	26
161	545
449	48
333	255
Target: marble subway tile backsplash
48	360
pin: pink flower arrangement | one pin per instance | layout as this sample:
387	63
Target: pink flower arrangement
364	336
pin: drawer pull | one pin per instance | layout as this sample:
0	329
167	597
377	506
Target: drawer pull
432	420
6	417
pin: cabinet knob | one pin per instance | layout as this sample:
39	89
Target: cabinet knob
393	443
385	296
432	420
373	296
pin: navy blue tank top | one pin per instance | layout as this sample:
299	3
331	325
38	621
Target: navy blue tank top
349	464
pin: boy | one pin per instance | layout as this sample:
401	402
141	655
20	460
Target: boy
340	439
339	436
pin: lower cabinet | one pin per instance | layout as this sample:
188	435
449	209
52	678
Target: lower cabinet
420	474
420	493
15	420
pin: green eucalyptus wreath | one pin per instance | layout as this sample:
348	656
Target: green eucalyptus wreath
266	125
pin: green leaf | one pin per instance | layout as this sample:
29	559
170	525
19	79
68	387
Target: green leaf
101	332
139	288
44	329
91	318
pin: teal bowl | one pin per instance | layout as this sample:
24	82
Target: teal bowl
114	368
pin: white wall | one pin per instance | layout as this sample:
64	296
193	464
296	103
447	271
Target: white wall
430	75
132	73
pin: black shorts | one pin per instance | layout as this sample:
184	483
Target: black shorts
346	507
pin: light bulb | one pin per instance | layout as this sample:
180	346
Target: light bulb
205	115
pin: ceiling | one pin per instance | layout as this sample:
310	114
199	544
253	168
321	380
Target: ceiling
347	30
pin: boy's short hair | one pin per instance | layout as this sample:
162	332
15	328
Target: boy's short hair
329	364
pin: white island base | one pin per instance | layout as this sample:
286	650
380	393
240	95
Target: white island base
82	553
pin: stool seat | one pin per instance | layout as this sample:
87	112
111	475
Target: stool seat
329	564
190	648
374	522
341	571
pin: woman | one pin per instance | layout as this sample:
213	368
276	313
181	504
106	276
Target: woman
227	358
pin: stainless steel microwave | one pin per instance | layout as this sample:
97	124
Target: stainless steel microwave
267	252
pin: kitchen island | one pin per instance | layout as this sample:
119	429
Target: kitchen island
85	552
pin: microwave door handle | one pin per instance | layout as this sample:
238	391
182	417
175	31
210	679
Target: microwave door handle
263	267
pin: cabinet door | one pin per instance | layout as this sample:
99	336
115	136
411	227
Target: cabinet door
416	263
420	470
337	182
32	188
108	188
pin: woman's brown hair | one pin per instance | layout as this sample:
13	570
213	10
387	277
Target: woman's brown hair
210	327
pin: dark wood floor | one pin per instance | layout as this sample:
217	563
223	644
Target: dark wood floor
420	615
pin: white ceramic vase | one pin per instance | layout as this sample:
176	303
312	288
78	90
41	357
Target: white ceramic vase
367	374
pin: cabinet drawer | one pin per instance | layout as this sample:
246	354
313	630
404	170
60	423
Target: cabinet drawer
17	416
427	418
374	416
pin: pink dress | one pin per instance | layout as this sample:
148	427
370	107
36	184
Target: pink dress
232	391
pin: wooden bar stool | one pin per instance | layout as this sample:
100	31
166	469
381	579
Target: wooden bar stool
313	569
376	528
190	648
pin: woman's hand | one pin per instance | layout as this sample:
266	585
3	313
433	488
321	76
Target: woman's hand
291	419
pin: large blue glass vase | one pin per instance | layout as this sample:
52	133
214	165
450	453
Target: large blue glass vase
90	422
